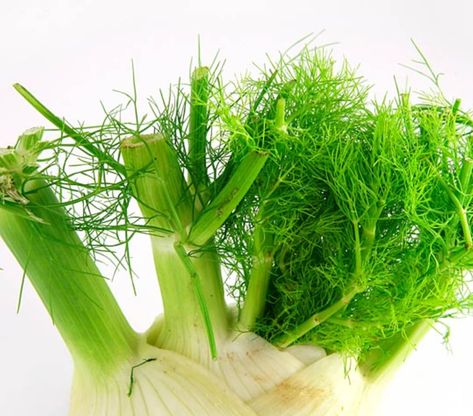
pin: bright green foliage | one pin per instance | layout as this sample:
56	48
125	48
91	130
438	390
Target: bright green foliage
366	207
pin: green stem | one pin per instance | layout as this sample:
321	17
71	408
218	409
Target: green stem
195	313
198	120
358	250
255	299
71	287
367	240
199	294
462	214
279	119
465	178
68	130
215	214
158	182
390	353
369	231
315	320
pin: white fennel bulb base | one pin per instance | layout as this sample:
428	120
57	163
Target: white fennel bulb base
156	382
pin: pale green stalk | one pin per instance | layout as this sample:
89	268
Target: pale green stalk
71	287
259	279
191	285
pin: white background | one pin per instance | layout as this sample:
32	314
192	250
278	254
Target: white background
73	53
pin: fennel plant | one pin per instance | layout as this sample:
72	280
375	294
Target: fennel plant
344	225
